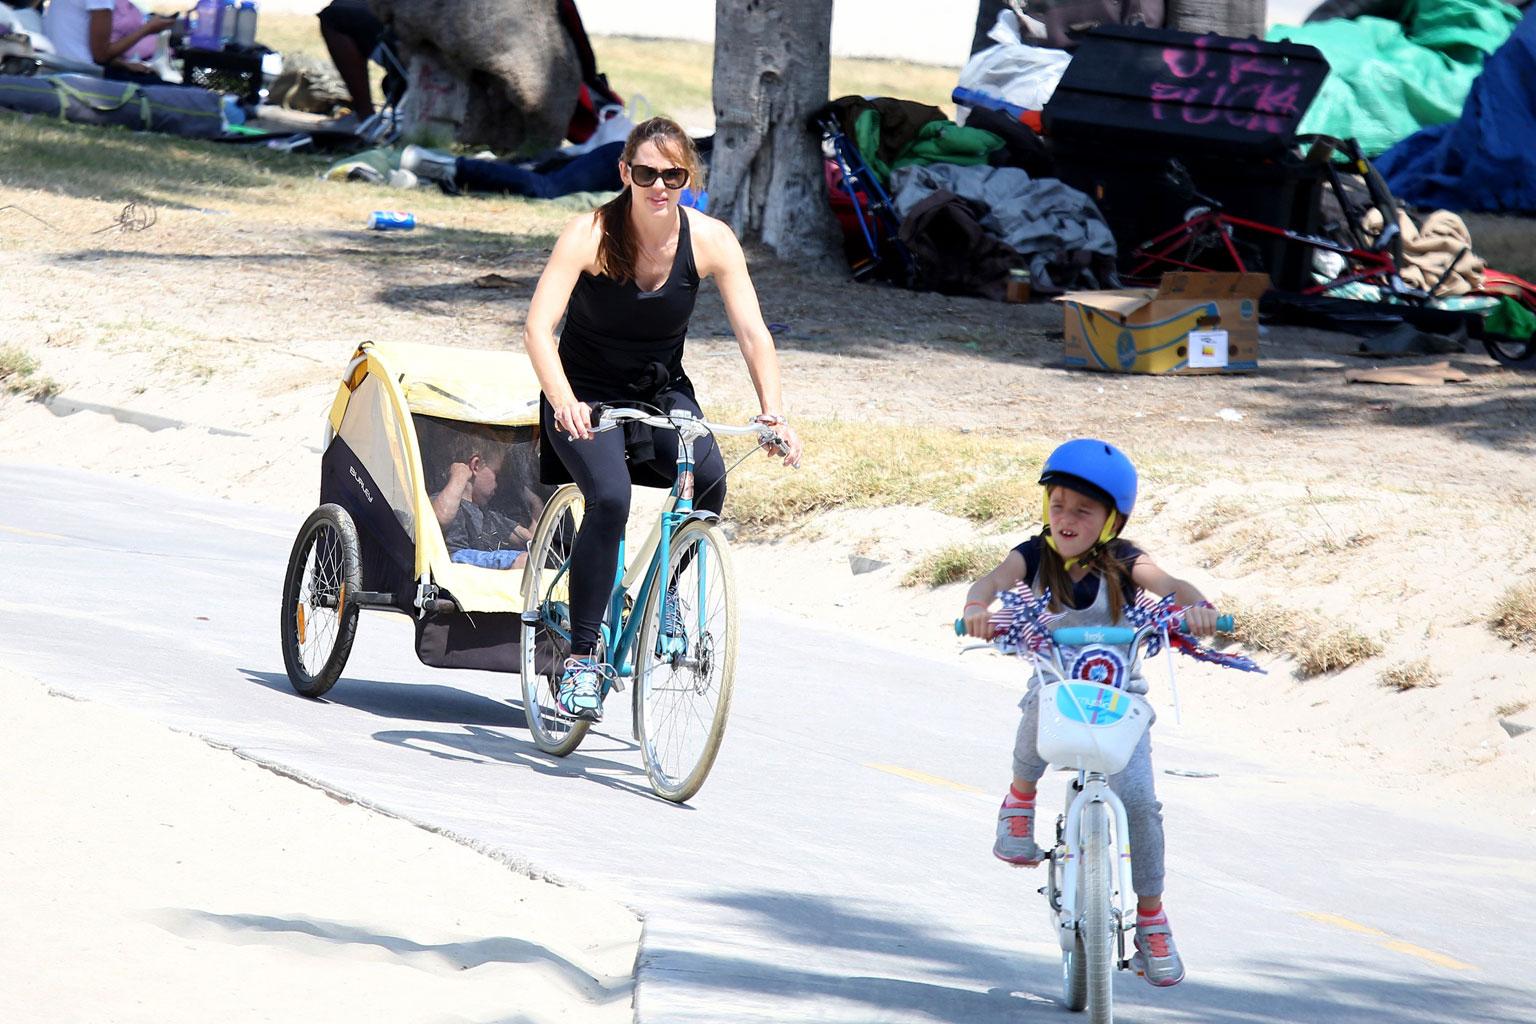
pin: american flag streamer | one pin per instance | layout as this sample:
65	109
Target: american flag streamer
1023	624
1167	617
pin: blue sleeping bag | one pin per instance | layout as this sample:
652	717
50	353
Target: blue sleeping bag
1486	160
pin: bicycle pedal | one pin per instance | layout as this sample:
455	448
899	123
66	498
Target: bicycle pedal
618	685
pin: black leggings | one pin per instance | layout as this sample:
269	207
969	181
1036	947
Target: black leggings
599	469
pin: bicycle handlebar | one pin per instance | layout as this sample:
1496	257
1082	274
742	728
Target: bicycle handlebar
610	417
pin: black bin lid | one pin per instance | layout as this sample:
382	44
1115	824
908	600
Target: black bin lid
1160	88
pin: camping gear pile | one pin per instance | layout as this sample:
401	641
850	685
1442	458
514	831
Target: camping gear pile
1242	156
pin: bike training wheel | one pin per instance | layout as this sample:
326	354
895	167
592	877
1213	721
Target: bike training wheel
548	590
683	683
319	621
1095	927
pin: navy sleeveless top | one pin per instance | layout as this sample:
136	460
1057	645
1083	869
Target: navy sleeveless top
620	342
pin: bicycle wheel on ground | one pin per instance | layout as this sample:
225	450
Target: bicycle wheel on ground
319	621
1515	353
685	662
1095	927
546	630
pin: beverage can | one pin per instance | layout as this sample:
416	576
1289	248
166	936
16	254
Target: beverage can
391	220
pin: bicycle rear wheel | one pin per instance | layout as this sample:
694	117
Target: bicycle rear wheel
546	606
1096	925
685	662
319	622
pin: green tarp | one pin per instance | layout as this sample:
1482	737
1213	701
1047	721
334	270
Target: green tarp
1388	79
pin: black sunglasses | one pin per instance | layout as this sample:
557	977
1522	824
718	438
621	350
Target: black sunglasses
645	176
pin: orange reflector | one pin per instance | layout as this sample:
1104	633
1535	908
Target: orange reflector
300	617
341	598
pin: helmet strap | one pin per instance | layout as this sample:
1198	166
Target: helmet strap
1106	534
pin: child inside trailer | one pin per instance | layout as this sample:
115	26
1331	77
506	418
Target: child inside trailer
476	533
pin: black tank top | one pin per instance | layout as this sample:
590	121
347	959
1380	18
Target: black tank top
622	342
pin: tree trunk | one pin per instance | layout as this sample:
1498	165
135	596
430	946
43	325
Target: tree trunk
772	66
1240	18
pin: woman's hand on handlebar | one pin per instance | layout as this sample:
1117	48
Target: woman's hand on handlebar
575	418
790	446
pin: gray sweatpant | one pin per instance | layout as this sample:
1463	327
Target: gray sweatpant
1135	786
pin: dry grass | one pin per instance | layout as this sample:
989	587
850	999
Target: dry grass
1316	646
1214	518
1512	708
865	465
19	376
1409	675
1514	617
953	564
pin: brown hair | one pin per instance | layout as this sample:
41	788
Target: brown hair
1101	559
617	252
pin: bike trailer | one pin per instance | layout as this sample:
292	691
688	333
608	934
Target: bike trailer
1089	726
403	415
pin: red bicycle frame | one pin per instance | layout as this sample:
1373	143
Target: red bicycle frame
1370	265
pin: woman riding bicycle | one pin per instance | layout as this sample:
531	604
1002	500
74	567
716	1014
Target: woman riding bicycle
625	277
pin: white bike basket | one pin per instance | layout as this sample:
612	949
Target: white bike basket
1090	727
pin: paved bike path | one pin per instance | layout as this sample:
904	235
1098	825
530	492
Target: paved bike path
835	867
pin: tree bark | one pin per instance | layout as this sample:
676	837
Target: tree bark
772	68
1240	18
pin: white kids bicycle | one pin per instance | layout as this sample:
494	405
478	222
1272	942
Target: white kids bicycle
1090	724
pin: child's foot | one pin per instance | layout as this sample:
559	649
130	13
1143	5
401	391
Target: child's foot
580	693
1016	831
1156	957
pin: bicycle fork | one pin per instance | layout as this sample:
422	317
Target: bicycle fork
1065	862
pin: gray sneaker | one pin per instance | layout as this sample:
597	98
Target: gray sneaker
1157	958
429	163
1016	836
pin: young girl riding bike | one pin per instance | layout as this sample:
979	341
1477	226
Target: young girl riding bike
1093	575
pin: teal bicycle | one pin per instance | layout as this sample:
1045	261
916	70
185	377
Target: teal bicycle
670	627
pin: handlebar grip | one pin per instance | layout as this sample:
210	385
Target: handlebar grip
1225	623
959	627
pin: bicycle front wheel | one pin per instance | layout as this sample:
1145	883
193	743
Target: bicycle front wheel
686	662
318	620
1095	926
546	632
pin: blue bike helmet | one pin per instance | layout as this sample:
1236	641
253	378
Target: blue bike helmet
1095	468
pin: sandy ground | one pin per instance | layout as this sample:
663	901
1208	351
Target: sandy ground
150	877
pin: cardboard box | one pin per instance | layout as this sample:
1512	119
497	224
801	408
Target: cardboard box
1145	330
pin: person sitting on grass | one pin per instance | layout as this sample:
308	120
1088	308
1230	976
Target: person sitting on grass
474	533
82	31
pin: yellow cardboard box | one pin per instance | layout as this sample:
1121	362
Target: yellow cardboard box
1146	330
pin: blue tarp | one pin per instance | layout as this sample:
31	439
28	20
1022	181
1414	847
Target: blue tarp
1486	160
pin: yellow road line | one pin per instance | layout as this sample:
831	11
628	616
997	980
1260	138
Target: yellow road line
932	780
31	533
1345	923
1438	959
1395	945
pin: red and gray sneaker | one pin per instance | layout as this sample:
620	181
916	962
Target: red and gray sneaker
1156	958
1016	835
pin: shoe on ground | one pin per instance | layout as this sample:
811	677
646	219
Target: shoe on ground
580	693
1157	958
428	163
1016	836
